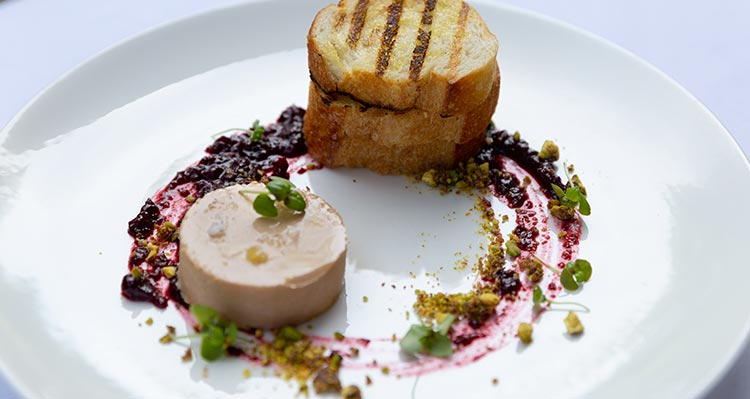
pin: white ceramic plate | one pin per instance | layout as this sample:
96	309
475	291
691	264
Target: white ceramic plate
667	184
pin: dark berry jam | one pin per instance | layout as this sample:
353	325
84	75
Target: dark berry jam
508	186
500	142
143	224
230	160
507	282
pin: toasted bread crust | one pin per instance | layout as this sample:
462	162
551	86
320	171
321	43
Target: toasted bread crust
343	132
443	89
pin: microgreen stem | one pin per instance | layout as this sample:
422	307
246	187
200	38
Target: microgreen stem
188	336
547	265
250	192
223	132
582	306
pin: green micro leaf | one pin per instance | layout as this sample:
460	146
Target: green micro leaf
295	201
538	297
582	270
279	187
446	324
558	191
437	345
411	342
231	334
584	207
265	206
204	314
567	280
257	131
212	346
573	194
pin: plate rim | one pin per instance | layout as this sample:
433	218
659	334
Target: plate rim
698	389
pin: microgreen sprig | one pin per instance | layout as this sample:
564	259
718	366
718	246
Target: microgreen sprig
425	340
539	298
573	275
279	190
572	197
216	332
255	132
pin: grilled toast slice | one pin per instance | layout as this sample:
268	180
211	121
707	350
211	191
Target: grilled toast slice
342	132
432	55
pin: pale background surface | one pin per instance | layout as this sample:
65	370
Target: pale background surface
703	45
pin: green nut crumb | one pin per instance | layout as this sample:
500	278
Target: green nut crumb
550	151
533	269
137	272
512	249
577	183
351	392
573	324
167	232
562	212
525	330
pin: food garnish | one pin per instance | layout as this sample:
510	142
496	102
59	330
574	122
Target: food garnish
573	324
422	339
524	332
279	190
539	299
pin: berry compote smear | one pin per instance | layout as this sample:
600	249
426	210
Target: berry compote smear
230	160
237	159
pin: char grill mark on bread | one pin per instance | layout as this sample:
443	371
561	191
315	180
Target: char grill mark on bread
389	36
458	41
358	22
399	85
423	41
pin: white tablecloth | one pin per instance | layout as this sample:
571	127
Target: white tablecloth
703	45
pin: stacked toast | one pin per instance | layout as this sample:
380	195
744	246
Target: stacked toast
399	86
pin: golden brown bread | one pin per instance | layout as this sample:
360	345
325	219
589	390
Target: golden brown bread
341	132
401	54
399	86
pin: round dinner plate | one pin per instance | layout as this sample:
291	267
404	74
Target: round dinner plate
666	182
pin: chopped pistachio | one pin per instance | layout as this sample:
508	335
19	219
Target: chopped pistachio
533	269
289	333
577	182
256	256
573	324
137	272
246	373
517	136
550	151
168	271
351	392
190	199
489	299
166	338
153	251
338	336
327	380
365	299
512	249
562	212
385	370
167	231
524	332
149	321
